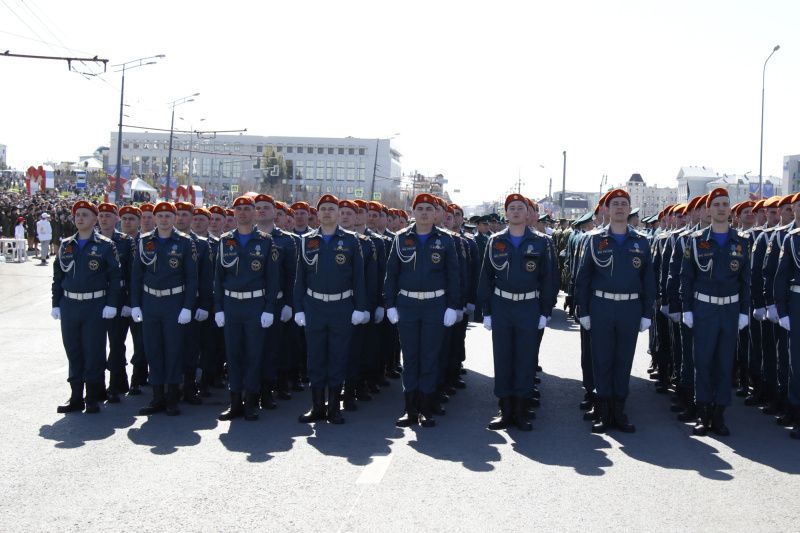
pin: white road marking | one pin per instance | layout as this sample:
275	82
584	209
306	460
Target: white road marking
373	473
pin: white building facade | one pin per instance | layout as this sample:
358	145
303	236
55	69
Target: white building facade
649	199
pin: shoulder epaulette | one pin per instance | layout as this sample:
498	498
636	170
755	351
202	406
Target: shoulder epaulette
744	234
794	231
596	231
103	238
404	230
697	233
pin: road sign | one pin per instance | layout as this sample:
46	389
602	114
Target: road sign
81	179
501	211
359	193
234	188
376	196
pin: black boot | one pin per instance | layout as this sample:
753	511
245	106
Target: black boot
391	372
111	392
743	390
619	419
689	414
795	433
317	411
267	400
158	403
703	419
284	391
250	406
455	379
521	415
75	402
138	378
718	421
173	392
94	391
372	385
190	392
682	400
334	405
756	396
349	398
506	416
236	409
436	404
205	384
362	392
773	406
426	419
586	404
602	407
410	415
442	395
786	415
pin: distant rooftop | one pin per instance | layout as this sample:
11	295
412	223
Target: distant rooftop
636	178
696	172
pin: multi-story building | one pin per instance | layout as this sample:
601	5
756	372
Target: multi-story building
3	157
649	199
791	174
697	181
300	167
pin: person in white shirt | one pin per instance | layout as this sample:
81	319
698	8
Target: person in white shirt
45	234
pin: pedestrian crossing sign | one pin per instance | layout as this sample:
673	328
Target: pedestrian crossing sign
501	211
376	196
359	193
234	188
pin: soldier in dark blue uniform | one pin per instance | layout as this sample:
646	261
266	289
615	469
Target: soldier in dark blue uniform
130	220
615	293
246	288
212	347
284	244
787	301
184	214
86	290
422	294
715	293
330	287
117	326
516	280
163	293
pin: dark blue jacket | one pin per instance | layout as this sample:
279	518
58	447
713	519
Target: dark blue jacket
165	266
95	268
247	268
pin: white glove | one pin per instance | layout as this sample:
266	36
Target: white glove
470	308
772	314
366	318
300	319
449	317
286	313
644	324
357	318
760	314
185	317
542	321
665	310
56	313
136	314
219	318
675	317
549	318
688	319
586	322
487	323
784	323
744	321
380	312
267	319
459	315
391	314
563	253
200	315
109	312
126	311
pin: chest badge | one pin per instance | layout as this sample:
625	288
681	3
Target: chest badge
258	248
93	264
435	257
340	259
734	265
530	266
637	262
255	265
173	262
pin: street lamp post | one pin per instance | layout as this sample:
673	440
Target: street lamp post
118	188
375	166
761	152
177	102
191	133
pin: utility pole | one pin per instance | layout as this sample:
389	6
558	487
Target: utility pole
564	184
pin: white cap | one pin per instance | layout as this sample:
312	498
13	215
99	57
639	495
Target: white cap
45	215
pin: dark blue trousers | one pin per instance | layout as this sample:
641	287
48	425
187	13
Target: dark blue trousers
514	335
615	330
117	329
163	338
83	332
138	357
794	354
329	331
687	361
194	335
355	357
769	361
755	351
244	342
715	334
586	360
421	327
783	359
273	336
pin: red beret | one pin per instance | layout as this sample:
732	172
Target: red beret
326	199
694	203
617	193
424	198
229	213
130	210
147	207
516	198
744	205
184	206
361	204
312	210
217	210
349	204
374	206
107	208
290	212
456	206
300	205
716	193
244	200
282	206
265	198
201	211
785	200
759	205
164	206
402	213
83	204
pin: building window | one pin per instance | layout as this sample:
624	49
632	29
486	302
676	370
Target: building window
146	145
300	170
319	188
351	151
196	145
309	170
186	145
310	150
126	145
260	148
320	170
227	147
135	145
339	189
279	149
350	190
329	172
320	150
289	149
328	189
351	170
237	147
299	149
341	150
340	171
217	147
330	150
362	151
361	171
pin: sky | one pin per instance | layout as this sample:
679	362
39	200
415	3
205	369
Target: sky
487	94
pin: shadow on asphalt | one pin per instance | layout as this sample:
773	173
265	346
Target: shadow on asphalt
76	429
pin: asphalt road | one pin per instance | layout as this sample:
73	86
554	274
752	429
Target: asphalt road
118	471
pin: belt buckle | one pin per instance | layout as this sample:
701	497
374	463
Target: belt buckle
515	297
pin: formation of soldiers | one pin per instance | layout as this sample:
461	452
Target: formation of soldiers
330	296
726	284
